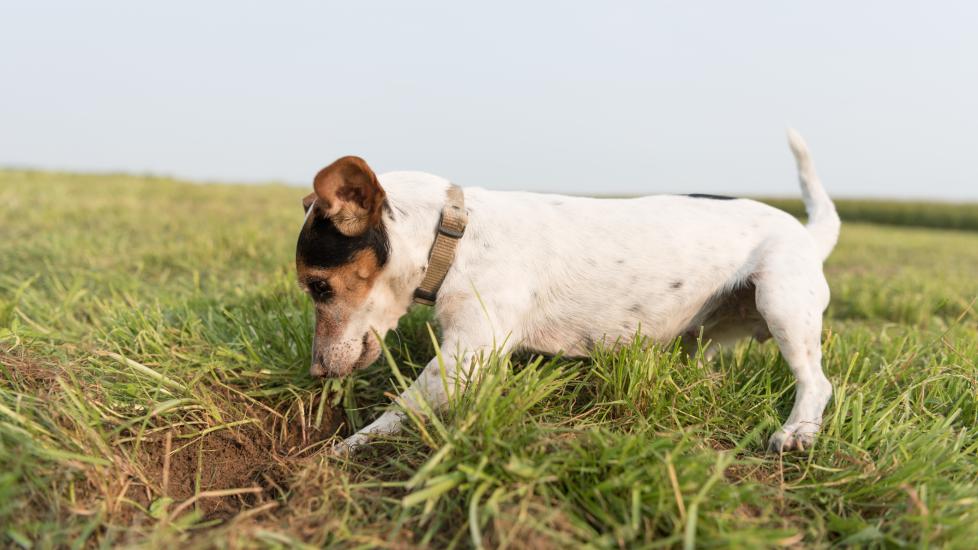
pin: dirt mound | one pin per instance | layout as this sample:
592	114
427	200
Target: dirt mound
230	469
221	461
218	471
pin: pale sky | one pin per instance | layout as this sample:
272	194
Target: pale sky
576	97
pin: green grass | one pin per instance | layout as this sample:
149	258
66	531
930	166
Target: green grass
140	316
894	212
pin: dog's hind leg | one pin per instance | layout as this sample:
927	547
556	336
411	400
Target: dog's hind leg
791	296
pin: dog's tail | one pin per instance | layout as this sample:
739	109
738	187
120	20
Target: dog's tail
823	221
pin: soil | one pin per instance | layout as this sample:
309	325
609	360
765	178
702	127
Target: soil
25	371
265	454
247	456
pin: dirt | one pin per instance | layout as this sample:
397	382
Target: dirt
261	457
27	371
554	529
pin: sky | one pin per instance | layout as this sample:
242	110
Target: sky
572	97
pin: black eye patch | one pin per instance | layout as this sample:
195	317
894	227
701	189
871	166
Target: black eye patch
322	245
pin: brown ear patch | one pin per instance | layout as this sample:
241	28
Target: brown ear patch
350	195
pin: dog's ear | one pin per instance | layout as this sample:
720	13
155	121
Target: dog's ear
350	195
307	201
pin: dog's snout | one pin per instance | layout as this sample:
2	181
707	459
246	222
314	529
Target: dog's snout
340	358
318	368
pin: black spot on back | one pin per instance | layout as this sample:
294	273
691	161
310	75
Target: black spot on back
676	285
322	245
708	196
635	308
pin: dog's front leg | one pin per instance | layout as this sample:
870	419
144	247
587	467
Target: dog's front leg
433	387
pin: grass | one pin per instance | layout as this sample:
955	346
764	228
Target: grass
153	392
894	212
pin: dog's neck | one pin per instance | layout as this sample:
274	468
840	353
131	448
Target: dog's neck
416	200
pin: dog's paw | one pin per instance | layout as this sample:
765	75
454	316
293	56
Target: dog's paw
347	446
339	450
787	439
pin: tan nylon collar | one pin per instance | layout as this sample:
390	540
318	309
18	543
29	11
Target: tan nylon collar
451	227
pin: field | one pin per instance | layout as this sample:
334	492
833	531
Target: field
154	391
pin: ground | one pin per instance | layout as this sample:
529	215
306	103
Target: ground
154	391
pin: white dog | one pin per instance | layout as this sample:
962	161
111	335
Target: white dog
558	274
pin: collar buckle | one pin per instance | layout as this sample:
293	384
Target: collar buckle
449	232
423	297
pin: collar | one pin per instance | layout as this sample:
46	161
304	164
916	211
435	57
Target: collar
451	227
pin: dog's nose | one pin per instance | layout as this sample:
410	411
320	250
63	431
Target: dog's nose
318	367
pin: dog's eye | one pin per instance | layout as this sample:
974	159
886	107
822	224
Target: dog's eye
320	289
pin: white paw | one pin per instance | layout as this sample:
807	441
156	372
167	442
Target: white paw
792	439
348	445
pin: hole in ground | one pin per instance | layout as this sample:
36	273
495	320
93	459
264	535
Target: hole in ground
238	457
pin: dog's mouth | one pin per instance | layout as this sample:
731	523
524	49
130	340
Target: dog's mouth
368	353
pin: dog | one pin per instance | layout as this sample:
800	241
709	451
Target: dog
560	274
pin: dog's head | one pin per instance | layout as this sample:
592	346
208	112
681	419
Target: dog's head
340	258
